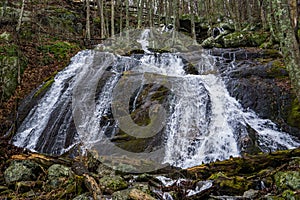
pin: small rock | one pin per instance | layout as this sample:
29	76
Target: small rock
136	194
5	36
57	174
85	196
111	184
251	194
21	171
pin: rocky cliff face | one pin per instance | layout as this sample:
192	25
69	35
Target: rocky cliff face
260	82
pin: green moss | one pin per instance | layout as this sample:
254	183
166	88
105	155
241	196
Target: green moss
236	185
9	50
217	175
130	143
287	180
294	114
59	50
240	39
289	195
278	69
45	86
258	38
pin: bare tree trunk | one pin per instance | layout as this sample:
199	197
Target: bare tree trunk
112	19
150	7
160	11
101	15
176	14
192	13
21	16
140	6
88	30
127	14
121	16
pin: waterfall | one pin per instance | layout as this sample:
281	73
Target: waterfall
204	123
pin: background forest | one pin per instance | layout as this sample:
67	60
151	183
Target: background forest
38	38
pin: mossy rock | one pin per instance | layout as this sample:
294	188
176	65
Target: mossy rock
59	175
234	185
243	39
21	171
110	184
278	69
287	180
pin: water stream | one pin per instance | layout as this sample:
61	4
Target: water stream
204	122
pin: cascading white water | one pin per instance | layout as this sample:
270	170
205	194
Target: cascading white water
59	94
204	122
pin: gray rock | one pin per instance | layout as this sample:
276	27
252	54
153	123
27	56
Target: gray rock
21	171
251	194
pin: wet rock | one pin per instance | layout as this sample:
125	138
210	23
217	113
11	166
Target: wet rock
110	184
136	194
262	86
287	180
59	174
21	171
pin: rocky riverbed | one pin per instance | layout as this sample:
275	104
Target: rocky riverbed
27	175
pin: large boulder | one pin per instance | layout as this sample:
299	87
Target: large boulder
10	65
262	85
21	171
243	39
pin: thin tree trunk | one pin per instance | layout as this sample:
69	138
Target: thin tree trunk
21	16
150	7
88	30
102	21
112	19
121	16
140	6
192	13
127	20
